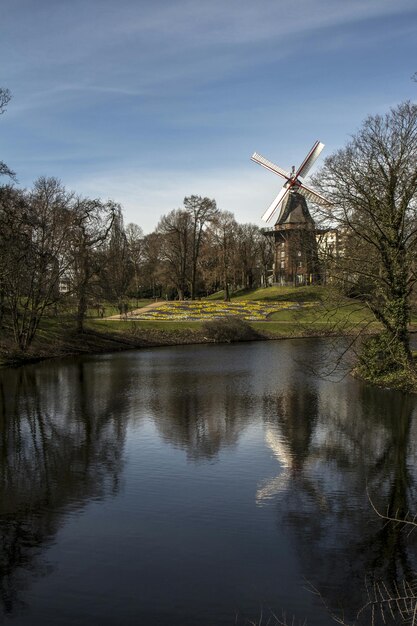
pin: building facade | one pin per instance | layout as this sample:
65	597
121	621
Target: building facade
296	259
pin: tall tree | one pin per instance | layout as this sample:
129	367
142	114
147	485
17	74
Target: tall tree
202	211
35	230
152	260
93	223
175	229
372	183
134	236
116	268
223	233
247	255
5	97
265	252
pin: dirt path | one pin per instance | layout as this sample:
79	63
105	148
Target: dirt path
148	307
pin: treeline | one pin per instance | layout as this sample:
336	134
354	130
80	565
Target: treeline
199	249
60	251
63	252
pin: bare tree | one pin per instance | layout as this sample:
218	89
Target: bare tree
93	224
265	252
175	229
372	183
35	230
5	97
134	236
202	211
223	233
152	261
247	261
116	267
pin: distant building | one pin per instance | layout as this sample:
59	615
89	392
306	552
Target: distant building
330	243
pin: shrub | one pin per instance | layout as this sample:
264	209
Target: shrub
380	356
228	329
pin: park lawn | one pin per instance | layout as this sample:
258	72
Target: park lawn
311	293
199	310
353	312
125	326
112	309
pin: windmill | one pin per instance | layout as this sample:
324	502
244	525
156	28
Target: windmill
296	260
293	182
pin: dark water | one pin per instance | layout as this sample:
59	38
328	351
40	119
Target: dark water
199	485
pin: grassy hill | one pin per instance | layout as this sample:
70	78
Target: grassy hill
277	294
273	312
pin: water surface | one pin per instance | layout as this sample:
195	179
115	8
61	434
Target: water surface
198	485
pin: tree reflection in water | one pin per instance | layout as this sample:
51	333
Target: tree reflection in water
332	448
200	421
60	446
63	432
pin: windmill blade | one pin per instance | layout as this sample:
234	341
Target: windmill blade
313	195
275	204
308	162
258	158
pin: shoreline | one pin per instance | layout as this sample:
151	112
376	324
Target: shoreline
91	342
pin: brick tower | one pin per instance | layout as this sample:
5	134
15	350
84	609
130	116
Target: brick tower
295	259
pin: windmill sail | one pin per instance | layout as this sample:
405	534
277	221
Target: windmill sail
258	158
275	204
293	182
308	162
313	195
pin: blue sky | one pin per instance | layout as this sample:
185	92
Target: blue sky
146	102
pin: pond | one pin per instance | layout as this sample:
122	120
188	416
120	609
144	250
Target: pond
200	485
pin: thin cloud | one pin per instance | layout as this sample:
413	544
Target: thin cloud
146	195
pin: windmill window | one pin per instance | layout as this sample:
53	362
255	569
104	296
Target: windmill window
282	265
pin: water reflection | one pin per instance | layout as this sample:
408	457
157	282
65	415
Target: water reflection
61	445
230	469
347	442
200	415
289	429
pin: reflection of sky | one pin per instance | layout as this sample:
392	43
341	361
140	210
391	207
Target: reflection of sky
274	486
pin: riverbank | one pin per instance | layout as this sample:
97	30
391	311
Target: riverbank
271	314
102	336
99	336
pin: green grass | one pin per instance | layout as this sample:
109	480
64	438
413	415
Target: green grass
112	309
123	326
311	293
323	313
351	312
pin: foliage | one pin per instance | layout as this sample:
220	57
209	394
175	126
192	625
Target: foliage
229	329
382	362
379	355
